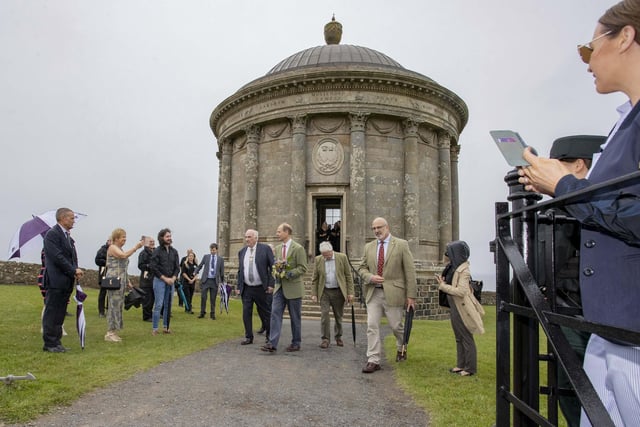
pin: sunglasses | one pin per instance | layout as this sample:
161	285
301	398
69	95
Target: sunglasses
585	50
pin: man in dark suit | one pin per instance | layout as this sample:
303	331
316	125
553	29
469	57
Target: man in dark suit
255	282
61	272
331	285
212	275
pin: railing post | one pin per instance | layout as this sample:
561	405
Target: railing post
525	330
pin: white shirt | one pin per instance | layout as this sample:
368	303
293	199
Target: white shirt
623	111
249	263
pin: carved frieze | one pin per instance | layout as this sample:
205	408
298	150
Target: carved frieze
328	124
275	130
383	126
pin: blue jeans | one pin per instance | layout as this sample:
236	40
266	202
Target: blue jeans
277	311
163	294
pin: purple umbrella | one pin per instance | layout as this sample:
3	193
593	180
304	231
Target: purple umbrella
225	291
27	241
27	231
80	319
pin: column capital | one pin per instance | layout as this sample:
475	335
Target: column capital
253	133
444	139
455	152
410	127
299	123
358	121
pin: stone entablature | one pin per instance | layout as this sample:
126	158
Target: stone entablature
327	91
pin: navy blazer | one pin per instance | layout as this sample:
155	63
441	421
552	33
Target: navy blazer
61	259
264	262
609	267
205	272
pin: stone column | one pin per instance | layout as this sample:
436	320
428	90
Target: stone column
224	195
251	178
297	208
444	160
357	224
411	195
455	200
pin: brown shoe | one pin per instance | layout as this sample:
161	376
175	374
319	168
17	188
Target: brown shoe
268	348
339	342
325	344
293	348
401	355
370	367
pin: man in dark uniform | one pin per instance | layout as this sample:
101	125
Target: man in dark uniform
146	279
577	152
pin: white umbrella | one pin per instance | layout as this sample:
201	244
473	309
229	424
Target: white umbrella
27	241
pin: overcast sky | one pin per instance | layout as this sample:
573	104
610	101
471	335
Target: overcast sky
104	106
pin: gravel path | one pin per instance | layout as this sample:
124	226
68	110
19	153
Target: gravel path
234	385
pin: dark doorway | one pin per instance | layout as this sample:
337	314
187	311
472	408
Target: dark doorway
329	211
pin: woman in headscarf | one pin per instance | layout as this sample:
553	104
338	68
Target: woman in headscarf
466	311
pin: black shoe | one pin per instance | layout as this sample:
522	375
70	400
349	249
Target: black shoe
370	368
268	348
147	320
247	341
68	314
101	315
213	317
261	331
201	316
56	349
401	356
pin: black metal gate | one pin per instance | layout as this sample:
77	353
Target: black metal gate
523	309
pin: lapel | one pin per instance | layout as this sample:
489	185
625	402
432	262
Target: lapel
390	247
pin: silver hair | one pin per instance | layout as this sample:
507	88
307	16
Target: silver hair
325	247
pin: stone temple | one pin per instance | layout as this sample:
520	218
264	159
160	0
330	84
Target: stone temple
340	132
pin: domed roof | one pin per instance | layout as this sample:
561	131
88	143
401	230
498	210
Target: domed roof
335	54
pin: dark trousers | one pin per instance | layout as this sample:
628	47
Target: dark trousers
188	289
209	287
147	302
257	295
54	314
102	298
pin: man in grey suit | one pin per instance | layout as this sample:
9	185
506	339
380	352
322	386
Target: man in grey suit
389	277
255	282
212	275
61	272
332	284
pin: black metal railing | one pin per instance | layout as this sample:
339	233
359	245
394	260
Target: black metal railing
526	304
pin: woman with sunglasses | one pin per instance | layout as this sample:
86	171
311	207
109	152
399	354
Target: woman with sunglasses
610	235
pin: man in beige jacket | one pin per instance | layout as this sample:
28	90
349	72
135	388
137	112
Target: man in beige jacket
389	278
332	284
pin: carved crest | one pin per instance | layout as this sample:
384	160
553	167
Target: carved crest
328	156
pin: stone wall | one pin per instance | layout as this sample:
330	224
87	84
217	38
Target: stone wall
19	273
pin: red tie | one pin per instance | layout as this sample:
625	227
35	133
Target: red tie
284	252
381	258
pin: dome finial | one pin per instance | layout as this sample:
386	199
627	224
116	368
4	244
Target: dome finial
333	31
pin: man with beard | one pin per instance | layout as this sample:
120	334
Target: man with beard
165	266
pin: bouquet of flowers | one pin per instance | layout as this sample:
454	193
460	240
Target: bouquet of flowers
280	269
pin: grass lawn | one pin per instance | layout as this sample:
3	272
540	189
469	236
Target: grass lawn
450	400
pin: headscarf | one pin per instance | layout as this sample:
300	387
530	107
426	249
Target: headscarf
457	252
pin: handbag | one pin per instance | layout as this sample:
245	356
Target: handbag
111	283
443	301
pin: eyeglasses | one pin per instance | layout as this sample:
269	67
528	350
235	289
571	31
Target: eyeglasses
585	50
